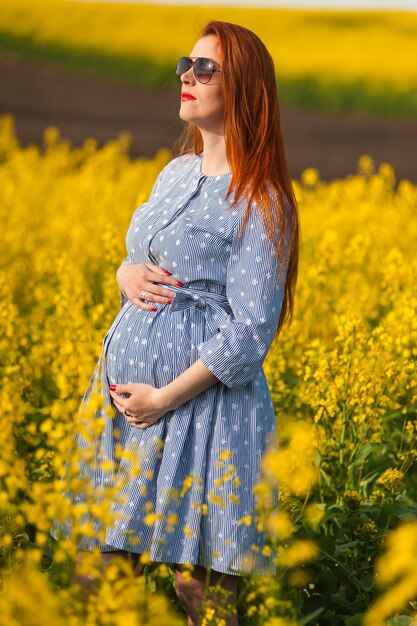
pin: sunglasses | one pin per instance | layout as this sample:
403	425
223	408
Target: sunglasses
203	68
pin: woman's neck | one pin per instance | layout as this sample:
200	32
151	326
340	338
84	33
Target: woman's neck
214	161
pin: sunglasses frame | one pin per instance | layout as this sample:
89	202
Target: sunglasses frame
192	65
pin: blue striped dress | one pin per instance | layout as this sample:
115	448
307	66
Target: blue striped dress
226	315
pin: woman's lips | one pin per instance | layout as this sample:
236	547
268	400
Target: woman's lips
187	96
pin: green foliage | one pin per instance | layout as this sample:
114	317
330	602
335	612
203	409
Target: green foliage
303	92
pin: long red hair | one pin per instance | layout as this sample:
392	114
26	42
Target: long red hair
254	145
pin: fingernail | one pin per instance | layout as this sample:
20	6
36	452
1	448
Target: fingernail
112	387
169	301
154	308
167	273
180	284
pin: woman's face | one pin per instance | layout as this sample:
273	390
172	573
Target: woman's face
207	109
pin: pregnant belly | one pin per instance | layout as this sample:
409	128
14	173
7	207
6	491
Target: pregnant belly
152	347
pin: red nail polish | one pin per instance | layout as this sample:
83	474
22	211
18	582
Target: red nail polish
180	284
167	273
169	301
112	387
154	308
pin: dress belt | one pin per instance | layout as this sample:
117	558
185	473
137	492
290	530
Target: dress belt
215	306
216	309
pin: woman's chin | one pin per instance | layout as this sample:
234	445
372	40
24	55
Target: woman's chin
185	117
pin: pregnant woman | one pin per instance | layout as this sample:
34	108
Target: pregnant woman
207	284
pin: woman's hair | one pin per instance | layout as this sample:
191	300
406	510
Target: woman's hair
254	144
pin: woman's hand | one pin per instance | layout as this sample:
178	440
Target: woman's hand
144	407
133	279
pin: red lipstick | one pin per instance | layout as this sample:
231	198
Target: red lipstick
187	96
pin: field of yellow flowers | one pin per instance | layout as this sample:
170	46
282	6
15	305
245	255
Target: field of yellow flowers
343	378
356	60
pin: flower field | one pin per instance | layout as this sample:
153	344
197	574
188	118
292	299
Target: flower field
330	60
343	378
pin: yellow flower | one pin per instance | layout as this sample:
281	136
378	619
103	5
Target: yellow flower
187	530
151	518
352	499
300	551
391	479
366	531
266	551
377	496
186	484
310	176
366	165
395	574
299	577
145	558
280	525
350	349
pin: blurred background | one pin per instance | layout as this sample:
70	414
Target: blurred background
346	74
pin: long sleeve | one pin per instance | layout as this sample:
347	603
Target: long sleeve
236	353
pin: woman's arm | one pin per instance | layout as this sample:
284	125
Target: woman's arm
146	404
235	354
255	293
196	379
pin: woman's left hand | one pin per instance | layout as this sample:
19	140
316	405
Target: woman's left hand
143	408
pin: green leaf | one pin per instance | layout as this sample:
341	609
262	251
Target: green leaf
307	618
345	546
400	620
364	452
354	620
339	597
399	510
151	583
368	582
327	478
369	478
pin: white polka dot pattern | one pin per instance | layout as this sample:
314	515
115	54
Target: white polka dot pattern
226	314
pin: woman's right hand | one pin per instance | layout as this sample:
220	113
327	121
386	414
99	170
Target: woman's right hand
135	278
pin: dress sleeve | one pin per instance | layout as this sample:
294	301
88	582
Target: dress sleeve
157	183
236	353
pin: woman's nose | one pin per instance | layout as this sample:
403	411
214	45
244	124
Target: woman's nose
188	76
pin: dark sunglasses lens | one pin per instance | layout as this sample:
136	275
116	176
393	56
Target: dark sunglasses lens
183	66
203	70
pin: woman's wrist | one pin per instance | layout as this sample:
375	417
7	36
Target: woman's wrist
195	380
165	399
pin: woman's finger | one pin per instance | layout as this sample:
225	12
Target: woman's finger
119	407
157	293
153	290
146	306
151	297
162	277
141	425
161	293
136	423
121	388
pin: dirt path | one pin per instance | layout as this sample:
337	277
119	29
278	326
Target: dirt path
81	106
